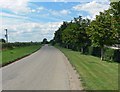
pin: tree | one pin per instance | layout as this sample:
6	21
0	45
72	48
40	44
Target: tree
115	13
58	33
100	31
74	35
2	40
104	30
44	41
70	35
83	36
52	42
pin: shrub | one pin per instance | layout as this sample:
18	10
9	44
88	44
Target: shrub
112	54
108	54
116	56
7	46
18	44
95	51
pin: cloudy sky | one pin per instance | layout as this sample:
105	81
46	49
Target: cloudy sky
33	20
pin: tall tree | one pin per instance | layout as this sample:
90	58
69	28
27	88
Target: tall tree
2	40
58	33
75	33
100	31
70	35
44	41
115	13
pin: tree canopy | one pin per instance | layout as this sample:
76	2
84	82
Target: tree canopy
2	41
44	41
80	32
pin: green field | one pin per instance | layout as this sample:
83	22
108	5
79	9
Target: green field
95	74
17	53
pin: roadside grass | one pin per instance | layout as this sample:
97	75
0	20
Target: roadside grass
0	57
11	55
94	73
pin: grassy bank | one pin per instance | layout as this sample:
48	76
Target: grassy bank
95	74
9	56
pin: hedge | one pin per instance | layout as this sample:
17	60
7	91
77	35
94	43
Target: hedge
109	54
18	44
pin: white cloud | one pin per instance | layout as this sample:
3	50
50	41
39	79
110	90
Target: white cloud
33	10
89	17
59	13
16	6
31	31
64	12
60	0
40	8
93	8
3	14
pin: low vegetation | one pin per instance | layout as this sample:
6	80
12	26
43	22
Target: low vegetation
12	54
95	75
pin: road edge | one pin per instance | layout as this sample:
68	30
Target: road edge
13	61
74	78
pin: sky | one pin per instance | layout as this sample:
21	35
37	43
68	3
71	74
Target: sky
33	20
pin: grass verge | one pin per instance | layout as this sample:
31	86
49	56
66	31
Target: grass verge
9	56
95	74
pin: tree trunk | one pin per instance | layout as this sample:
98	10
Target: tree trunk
77	48
81	49
67	46
73	47
102	53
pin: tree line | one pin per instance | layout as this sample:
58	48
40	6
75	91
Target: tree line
80	33
17	45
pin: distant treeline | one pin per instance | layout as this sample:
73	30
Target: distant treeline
18	44
92	36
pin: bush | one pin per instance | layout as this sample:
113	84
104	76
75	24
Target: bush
95	51
109	54
18	44
112	55
116	56
7	46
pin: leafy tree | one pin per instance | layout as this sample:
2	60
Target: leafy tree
82	35
115	13
104	30
100	31
52	42
70	35
58	33
44	41
2	40
74	35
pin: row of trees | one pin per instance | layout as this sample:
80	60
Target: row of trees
17	45
80	33
2	41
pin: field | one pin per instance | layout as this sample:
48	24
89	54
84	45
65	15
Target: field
9	56
94	73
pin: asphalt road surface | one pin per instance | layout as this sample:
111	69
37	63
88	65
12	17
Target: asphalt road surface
46	69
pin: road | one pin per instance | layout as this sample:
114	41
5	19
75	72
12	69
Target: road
46	69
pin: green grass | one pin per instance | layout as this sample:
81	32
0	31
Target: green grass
95	74
17	53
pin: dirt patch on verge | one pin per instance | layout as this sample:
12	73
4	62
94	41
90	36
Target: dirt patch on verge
74	78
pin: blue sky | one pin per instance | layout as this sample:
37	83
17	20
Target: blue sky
30	20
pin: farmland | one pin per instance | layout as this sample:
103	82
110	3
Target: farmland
10	55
